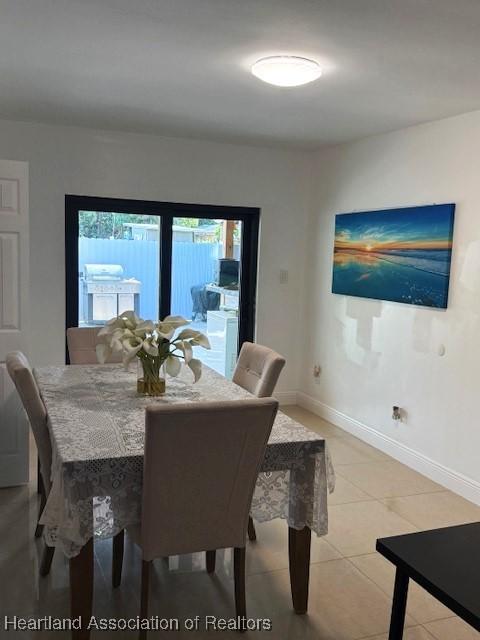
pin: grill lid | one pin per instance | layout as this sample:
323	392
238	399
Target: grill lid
103	271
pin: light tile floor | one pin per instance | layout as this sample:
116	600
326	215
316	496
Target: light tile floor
350	585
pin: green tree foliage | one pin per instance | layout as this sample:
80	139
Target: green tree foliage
186	222
99	224
103	224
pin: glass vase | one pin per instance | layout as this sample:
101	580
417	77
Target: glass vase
150	375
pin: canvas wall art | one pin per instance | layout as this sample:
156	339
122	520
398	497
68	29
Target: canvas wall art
402	255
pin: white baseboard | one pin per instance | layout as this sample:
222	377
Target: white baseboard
453	480
286	397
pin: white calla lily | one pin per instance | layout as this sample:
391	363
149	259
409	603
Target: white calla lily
169	325
153	343
202	340
176	321
186	347
116	339
150	346
144	328
165	332
186	334
122	333
131	346
130	319
110	326
173	366
131	342
103	352
196	367
195	337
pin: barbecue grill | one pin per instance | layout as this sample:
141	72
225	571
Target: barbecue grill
106	293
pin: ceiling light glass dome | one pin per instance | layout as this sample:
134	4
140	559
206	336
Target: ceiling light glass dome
286	71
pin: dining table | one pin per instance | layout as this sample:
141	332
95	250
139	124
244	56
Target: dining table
96	422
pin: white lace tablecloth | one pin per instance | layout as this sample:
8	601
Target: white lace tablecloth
97	426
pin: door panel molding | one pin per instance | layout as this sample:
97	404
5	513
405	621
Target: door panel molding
10	196
10	270
14	298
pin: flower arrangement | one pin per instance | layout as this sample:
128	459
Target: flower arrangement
154	345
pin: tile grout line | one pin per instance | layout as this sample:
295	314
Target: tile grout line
379	500
439	620
417	626
390	595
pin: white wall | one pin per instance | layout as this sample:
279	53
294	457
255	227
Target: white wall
376	354
87	162
373	354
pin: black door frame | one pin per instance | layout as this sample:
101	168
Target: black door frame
249	216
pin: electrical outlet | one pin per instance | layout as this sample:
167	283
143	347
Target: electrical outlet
317	370
396	413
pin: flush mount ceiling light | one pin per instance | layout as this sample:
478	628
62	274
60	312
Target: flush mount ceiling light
286	71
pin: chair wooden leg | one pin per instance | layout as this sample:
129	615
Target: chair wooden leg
39	477
144	596
252	534
117	558
210	560
47	558
239	577
43	502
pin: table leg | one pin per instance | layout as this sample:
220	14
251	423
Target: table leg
399	605
81	589
299	558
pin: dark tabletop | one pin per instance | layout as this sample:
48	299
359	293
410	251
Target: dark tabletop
446	562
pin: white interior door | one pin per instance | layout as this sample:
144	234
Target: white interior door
14	281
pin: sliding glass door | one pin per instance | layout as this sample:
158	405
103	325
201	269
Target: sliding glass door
198	261
118	265
206	283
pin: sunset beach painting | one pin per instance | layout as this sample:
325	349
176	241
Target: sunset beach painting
401	255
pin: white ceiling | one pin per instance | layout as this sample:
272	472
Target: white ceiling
181	67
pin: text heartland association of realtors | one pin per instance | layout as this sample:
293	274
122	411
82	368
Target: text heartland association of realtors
154	623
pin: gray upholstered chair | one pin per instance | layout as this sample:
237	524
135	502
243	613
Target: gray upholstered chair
258	369
81	342
200	468
21	373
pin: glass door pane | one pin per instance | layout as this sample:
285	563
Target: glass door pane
206	256
118	266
